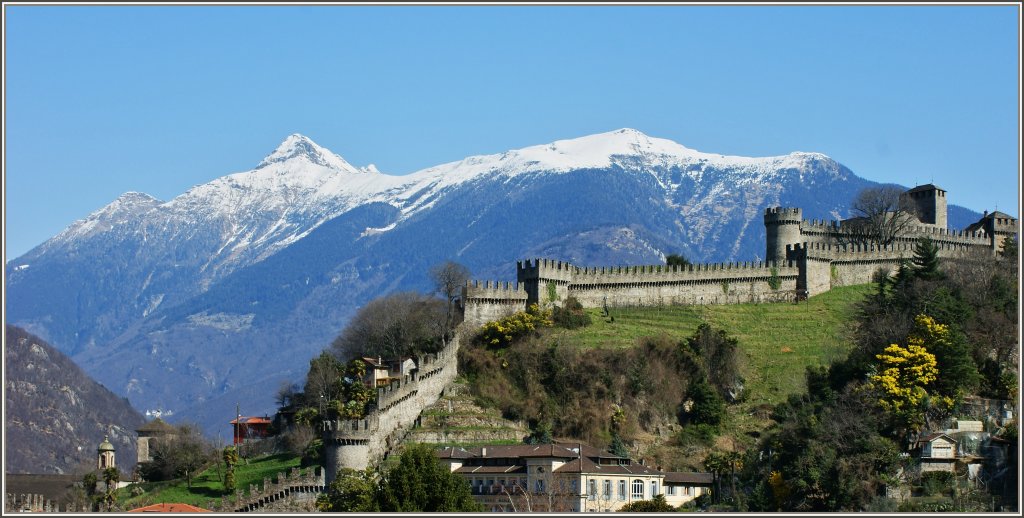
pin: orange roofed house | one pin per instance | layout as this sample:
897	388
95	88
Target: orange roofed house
250	428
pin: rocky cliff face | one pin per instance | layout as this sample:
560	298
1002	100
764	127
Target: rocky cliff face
56	415
213	298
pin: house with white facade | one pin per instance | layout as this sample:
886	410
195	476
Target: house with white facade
565	477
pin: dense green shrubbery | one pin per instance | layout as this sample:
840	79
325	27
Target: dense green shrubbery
570	315
598	395
418	483
936	482
836	447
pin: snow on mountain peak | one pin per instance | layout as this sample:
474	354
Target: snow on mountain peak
135	197
298	146
626	141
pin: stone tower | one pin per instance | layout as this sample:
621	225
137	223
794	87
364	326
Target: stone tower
929	203
543	279
781	227
105	455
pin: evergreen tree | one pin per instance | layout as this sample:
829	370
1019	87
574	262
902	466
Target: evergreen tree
618	447
676	260
542	434
708	406
926	259
351	492
420	483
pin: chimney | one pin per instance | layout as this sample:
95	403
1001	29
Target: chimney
483	452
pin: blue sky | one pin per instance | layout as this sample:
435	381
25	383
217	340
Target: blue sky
101	100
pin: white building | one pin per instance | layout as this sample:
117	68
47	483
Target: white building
565	477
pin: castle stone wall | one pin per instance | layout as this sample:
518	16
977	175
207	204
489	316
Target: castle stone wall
537	275
360	443
782	227
726	283
857	264
484	301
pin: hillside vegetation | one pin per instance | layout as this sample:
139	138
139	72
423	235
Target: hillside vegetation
209	485
630	364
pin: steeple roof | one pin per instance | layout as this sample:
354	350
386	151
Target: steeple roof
105	445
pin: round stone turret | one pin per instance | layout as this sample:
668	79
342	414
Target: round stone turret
781	227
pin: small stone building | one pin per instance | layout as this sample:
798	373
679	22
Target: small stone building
149	432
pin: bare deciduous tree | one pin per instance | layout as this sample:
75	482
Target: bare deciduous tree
449	277
182	454
392	326
880	215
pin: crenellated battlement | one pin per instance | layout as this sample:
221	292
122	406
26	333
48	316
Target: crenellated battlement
783	214
496	290
898	249
358	443
820	225
297	481
544	269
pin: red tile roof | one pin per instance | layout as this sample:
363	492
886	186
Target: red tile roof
170	508
251	420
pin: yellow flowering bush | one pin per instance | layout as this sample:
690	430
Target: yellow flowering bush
780	489
905	372
501	333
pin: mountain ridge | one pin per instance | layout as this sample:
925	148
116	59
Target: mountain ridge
280	256
56	415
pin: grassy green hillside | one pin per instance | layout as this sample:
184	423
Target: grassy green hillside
207	486
577	377
779	340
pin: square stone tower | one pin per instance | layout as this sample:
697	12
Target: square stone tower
929	203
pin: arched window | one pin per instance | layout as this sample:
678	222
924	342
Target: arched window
638	489
654	488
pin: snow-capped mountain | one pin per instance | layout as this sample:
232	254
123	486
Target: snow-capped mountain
219	294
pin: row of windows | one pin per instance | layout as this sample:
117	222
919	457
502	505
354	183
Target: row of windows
637	489
480	485
671	490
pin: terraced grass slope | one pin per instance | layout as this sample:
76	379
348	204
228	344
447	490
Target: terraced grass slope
778	340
